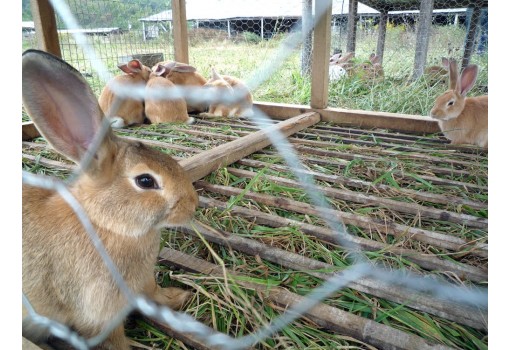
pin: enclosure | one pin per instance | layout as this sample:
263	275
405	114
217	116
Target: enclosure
339	217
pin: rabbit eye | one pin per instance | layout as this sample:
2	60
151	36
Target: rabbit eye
450	103
146	181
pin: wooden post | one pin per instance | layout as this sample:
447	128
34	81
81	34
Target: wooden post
321	49
262	28
45	27
204	163
381	37
180	25
422	37
470	37
351	26
306	29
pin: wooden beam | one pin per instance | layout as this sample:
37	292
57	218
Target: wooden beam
351	26
422	37
28	345
349	117
180	26
470	36
29	131
45	27
320	59
206	162
381	36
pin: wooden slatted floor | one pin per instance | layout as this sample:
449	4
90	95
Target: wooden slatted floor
410	202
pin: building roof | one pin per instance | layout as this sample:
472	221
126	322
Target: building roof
235	9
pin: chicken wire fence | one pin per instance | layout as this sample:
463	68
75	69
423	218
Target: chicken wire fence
277	45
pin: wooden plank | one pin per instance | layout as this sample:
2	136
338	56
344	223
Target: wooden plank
366	186
29	131
320	59
426	261
336	320
468	315
180	31
206	162
351	26
381	35
424	212
470	37
422	37
28	345
400	231
45	26
356	118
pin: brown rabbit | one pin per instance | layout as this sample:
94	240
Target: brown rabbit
437	74
184	75
129	192
340	65
463	120
130	110
229	85
371	69
164	110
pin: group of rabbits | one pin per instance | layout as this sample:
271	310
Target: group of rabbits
160	109
462	119
129	191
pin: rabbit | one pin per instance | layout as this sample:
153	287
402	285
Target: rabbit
340	66
164	110
129	192
437	74
371	69
130	111
184	75
463	120
229	85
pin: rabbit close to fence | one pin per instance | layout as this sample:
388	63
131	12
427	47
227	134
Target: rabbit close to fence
229	87
370	70
164	110
184	75
129	192
130	110
463	120
340	66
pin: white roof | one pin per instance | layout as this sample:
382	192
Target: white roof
230	9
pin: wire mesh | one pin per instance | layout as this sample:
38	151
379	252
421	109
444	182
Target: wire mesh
278	44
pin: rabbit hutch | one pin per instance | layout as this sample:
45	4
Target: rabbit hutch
339	215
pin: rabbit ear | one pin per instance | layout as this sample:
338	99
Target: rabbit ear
445	62
184	68
346	57
214	74
468	78
132	67
60	103
454	75
374	58
160	70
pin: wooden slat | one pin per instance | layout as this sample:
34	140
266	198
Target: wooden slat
206	162
331	318
28	345
45	26
356	118
468	315
29	131
320	55
432	238
180	31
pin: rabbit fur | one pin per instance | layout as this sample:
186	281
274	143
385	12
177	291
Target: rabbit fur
130	110
463	120
129	192
166	110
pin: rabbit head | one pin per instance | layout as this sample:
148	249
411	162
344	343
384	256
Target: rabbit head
187	76
463	120
164	110
127	111
450	104
129	192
